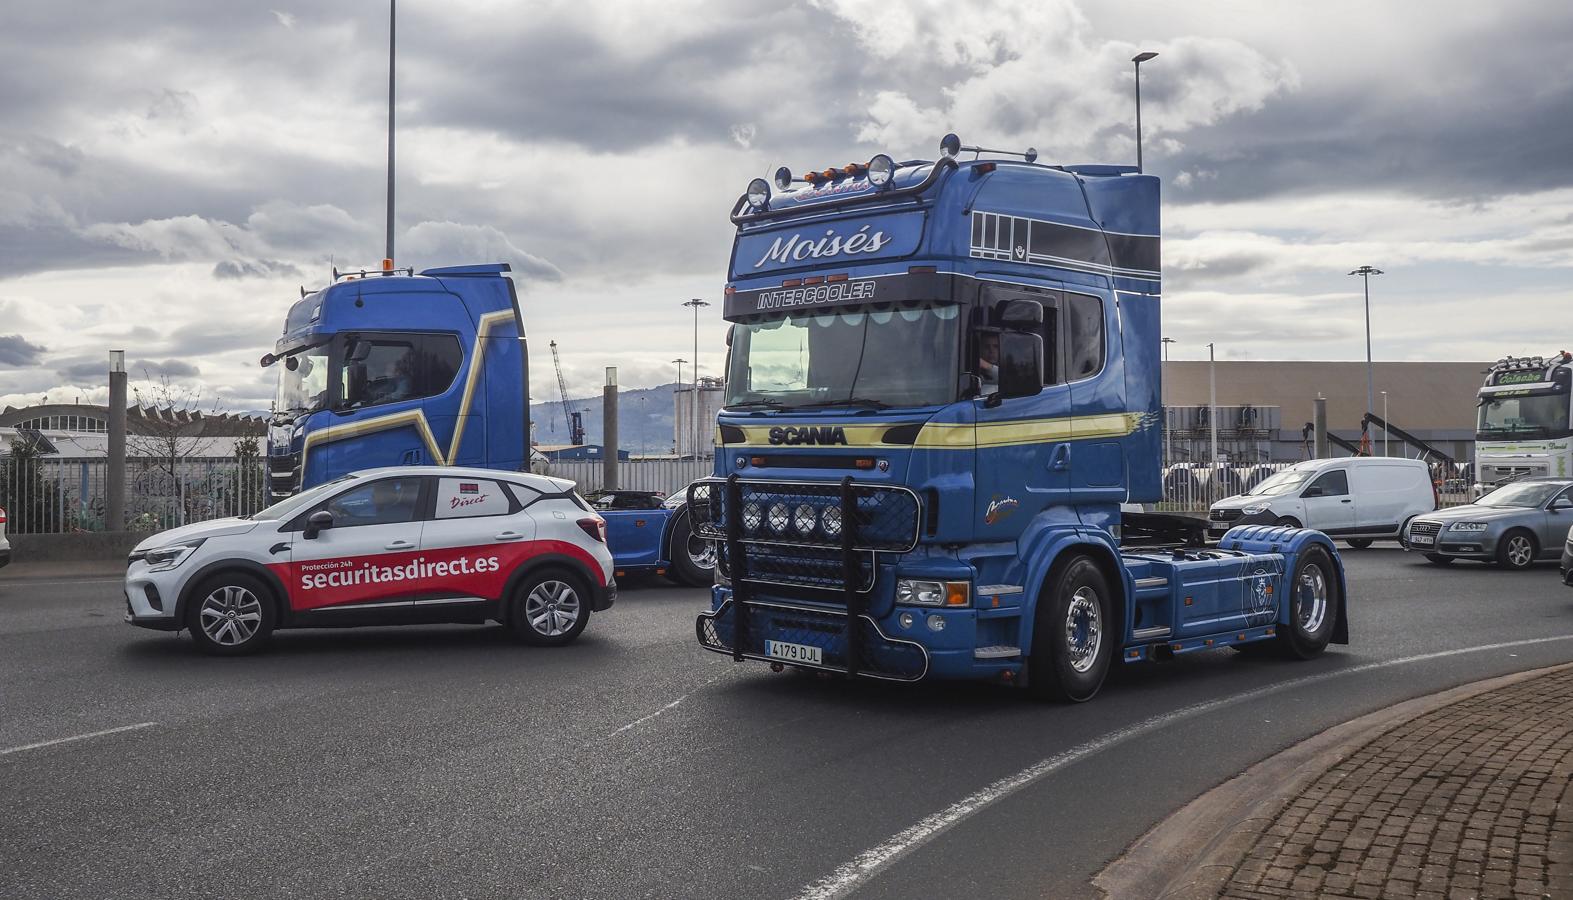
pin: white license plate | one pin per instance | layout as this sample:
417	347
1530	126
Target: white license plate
1420	540
802	653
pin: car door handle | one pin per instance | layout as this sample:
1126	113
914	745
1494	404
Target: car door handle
401	545
507	536
1346	500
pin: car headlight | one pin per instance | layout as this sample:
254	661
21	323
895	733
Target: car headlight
1468	527
162	559
1253	510
933	593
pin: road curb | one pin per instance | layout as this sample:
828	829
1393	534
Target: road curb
1191	854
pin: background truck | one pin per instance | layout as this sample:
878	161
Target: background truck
1524	424
943	383
395	367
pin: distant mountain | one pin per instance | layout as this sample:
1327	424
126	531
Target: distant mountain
644	420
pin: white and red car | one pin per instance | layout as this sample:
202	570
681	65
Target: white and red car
405	545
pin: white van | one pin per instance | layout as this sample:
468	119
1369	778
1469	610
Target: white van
1358	499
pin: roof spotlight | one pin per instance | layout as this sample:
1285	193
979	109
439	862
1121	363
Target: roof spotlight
1031	155
950	146
880	170
758	194
783	178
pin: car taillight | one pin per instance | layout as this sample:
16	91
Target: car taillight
595	528
2	516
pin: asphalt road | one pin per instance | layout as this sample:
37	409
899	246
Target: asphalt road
451	762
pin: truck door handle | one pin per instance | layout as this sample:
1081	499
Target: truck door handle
1061	458
401	545
507	536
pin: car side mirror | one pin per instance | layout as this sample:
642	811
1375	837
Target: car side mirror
1020	365
316	523
1560	504
1312	491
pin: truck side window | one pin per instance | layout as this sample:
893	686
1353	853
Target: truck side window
392	368
1084	316
986	347
1329	484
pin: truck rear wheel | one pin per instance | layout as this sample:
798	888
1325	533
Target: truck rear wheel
1313	605
1073	635
693	558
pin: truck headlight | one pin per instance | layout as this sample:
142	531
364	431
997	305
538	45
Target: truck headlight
1254	510
758	194
880	170
933	593
830	520
162	559
1468	527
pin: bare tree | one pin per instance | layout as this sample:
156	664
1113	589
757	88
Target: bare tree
170	421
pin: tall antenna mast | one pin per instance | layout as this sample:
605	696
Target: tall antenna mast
392	21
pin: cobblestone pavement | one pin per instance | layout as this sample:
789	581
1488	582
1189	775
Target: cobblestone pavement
1471	800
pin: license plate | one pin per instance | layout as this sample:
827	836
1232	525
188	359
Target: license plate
1422	540
802	653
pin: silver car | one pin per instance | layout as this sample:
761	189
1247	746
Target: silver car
1513	525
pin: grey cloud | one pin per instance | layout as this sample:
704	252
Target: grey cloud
173	368
446	243
18	351
259	268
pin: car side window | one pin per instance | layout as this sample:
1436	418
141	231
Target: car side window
465	498
1329	484
386	501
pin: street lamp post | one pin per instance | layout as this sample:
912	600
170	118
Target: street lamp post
1365	273
1212	413
1138	59
696	303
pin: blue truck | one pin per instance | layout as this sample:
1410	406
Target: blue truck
393	367
943	385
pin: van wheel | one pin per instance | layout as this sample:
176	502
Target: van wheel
1073	635
231	614
1313	605
1358	543
1437	559
1288	522
1516	550
550	609
693	558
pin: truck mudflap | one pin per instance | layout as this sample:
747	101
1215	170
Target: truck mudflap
768	624
1291	542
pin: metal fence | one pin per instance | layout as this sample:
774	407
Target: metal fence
1193	487
668	476
52	496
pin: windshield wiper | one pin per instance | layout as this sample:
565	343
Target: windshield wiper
848	401
765	402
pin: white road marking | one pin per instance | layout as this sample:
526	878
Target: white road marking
667	708
79	737
852	874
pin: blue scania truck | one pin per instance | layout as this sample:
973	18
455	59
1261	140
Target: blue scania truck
943	384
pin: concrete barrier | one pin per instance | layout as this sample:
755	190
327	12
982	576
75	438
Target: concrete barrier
86	545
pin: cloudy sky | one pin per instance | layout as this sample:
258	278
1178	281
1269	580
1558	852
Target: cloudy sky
172	172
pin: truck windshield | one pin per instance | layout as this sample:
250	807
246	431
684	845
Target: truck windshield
859	356
303	381
1509	418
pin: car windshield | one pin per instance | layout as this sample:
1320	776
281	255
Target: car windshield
1282	483
1508	418
289	506
303	381
866	356
1524	494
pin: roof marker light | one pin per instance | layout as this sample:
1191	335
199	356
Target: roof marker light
783	178
880	170
758	194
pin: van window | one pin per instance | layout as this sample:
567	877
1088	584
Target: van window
1329	484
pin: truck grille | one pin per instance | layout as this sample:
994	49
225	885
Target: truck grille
283	475
808	514
809	567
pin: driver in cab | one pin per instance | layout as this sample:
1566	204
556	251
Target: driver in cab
989	358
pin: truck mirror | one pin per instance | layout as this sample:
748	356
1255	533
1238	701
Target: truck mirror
316	523
729	332
1020	365
1026	314
359	350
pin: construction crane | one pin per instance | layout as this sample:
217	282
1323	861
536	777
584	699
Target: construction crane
574	420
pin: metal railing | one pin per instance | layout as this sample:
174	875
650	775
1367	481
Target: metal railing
53	496
667	476
1193	487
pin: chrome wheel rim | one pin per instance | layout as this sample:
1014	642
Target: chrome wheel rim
701	553
1083	629
1310	600
552	609
1518	551
230	616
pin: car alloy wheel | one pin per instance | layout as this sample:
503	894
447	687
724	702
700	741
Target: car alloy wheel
552	608
230	616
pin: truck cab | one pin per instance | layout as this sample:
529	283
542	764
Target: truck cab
943	383
1524	428
395	367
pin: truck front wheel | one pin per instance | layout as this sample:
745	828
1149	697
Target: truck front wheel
1073	635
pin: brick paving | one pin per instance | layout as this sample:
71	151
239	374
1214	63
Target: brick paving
1471	800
